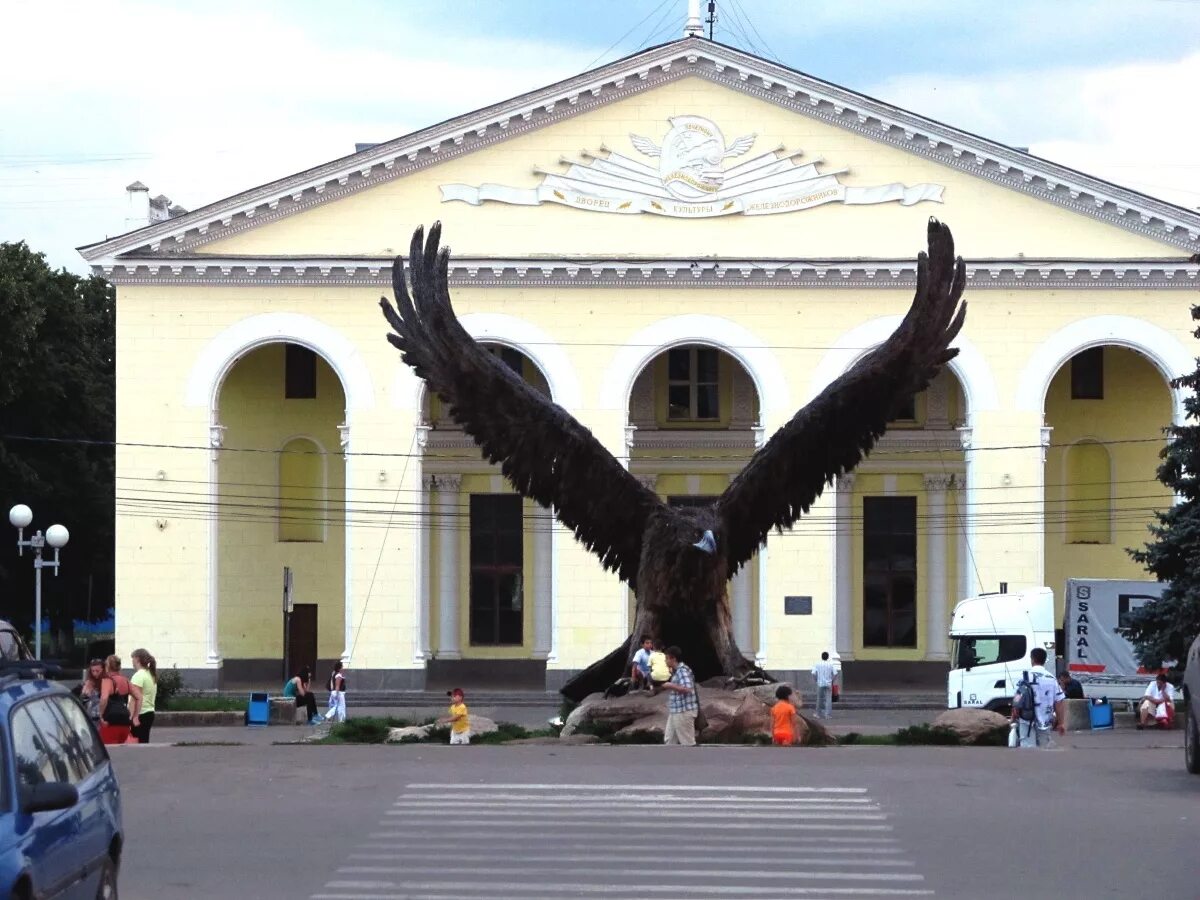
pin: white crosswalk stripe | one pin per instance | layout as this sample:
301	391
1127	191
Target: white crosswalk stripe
545	840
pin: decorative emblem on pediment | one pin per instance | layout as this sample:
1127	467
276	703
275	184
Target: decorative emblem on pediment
693	179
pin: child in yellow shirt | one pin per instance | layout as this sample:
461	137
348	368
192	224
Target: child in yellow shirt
459	719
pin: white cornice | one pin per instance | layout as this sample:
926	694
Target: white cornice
1004	274
1148	216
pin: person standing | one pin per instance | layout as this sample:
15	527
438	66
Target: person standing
144	686
459	719
824	675
337	694
115	720
92	689
683	705
1040	689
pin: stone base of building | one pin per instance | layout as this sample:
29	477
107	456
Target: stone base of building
517	674
890	675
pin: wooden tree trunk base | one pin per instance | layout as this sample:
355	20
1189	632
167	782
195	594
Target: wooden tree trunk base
708	648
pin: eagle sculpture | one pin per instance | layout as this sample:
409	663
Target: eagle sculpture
677	561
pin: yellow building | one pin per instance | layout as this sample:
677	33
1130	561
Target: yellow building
681	248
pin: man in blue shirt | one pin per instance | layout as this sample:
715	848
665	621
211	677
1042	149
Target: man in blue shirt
682	703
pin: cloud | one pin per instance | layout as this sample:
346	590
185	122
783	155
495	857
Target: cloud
1131	124
203	101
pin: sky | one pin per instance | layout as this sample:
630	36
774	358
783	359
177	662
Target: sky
202	100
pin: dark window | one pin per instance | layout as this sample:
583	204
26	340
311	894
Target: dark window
906	411
497	559
889	571
299	373
983	651
510	357
693	385
1087	375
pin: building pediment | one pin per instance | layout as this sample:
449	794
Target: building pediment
190	234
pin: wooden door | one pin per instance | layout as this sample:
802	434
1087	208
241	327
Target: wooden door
302	637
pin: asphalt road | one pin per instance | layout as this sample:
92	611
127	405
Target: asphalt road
1109	817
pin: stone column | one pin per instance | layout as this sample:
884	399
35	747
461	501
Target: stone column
937	539
844	551
216	440
448	594
741	603
543	587
424	544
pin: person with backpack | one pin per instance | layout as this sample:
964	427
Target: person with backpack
337	694
1038	704
115	717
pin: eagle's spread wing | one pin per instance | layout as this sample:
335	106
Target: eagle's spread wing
645	145
546	454
838	428
740	146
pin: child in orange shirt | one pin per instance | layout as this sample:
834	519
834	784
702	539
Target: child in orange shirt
783	718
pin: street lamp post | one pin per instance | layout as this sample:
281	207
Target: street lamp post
56	536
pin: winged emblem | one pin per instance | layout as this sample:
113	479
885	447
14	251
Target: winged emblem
678	561
691	155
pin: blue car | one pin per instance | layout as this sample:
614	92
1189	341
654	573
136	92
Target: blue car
60	806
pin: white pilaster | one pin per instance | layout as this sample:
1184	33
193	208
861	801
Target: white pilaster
543	561
740	601
844	551
424	543
938	581
216	439
448	594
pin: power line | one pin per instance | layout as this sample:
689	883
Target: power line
472	457
609	48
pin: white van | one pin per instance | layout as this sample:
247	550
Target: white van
992	636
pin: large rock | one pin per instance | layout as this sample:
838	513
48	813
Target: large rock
1078	715
970	724
408	733
730	715
811	732
481	725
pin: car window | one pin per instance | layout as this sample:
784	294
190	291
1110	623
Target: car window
35	762
85	743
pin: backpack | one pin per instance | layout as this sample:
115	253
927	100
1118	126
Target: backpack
116	712
1025	702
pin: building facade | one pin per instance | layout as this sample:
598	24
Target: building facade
680	249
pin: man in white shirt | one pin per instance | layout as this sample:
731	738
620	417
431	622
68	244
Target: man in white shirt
824	674
1049	700
1158	703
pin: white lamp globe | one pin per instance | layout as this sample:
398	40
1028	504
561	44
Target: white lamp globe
57	536
20	516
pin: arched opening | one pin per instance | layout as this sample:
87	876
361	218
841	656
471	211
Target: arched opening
901	528
280	502
487	555
693	422
1107	407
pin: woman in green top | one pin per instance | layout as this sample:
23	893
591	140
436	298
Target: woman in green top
145	680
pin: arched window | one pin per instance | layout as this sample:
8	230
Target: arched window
301	491
1088	494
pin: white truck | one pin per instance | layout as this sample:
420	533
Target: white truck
992	636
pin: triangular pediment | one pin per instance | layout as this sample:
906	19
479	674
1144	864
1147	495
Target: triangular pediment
824	150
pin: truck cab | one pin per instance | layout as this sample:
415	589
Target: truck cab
992	636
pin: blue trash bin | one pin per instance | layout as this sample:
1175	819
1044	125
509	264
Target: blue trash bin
1101	712
258	710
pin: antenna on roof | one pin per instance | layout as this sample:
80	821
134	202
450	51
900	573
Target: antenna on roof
712	17
694	27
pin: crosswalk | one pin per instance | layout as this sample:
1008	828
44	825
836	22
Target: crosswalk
657	841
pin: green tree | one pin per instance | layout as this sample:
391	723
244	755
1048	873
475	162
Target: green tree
1165	630
57	350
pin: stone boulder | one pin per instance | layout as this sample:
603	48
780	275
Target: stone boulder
408	733
970	724
647	728
730	716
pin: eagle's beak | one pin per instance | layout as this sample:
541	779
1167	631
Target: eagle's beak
708	543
